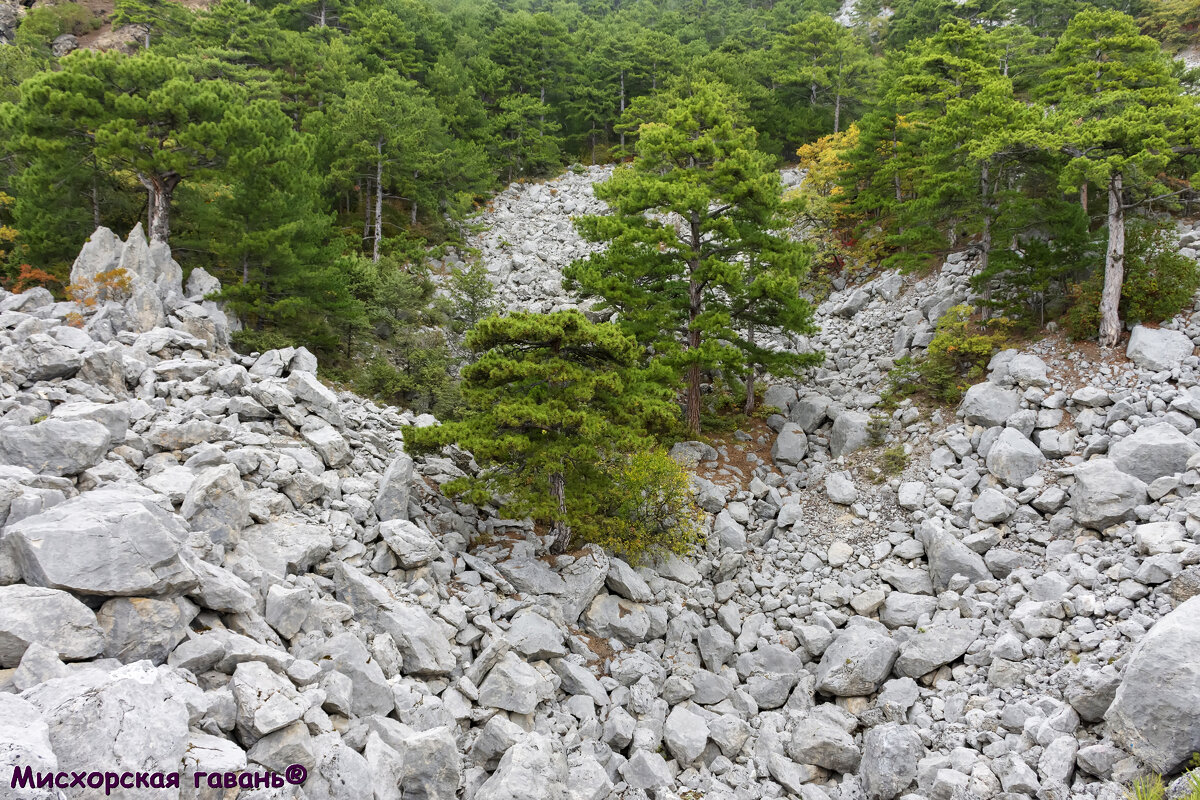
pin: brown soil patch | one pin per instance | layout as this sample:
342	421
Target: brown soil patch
1070	354
736	453
598	645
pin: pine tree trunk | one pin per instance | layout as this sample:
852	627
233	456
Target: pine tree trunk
560	531
693	389
159	189
837	112
321	19
378	199
1114	265
748	408
693	372
362	198
1083	197
95	202
985	238
622	105
695	308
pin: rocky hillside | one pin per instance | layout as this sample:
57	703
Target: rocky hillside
215	565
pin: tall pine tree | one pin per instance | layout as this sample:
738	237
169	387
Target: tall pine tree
695	265
1119	113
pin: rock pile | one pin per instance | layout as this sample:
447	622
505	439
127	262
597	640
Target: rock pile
528	238
212	563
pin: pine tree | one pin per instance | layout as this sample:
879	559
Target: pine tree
909	205
694	266
829	62
1119	114
365	147
262	216
526	141
143	114
550	400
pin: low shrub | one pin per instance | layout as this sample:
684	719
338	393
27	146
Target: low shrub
956	358
648	507
1159	282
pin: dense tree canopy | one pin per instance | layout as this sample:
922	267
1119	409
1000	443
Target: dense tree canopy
283	144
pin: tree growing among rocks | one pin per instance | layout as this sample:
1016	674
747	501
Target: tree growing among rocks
695	266
146	115
557	416
1120	115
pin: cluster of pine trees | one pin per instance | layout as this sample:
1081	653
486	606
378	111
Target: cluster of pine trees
312	152
1032	151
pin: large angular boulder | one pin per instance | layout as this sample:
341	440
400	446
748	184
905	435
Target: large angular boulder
41	358
49	617
392	500
1153	451
285	546
55	446
430	767
1158	349
422	642
137	628
131	719
851	432
412	546
935	645
791	445
514	685
147	275
988	404
24	744
114	416
818	741
770	672
1013	458
809	412
216	505
532	769
535	637
340	774
859	660
583	579
948	556
1028	370
1103	495
265	702
889	764
1154	714
685	734
109	542
331	445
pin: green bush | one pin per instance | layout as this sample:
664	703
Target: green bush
472	296
41	25
1159	282
1030	284
249	340
648	506
894	460
1151	787
957	357
416	376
